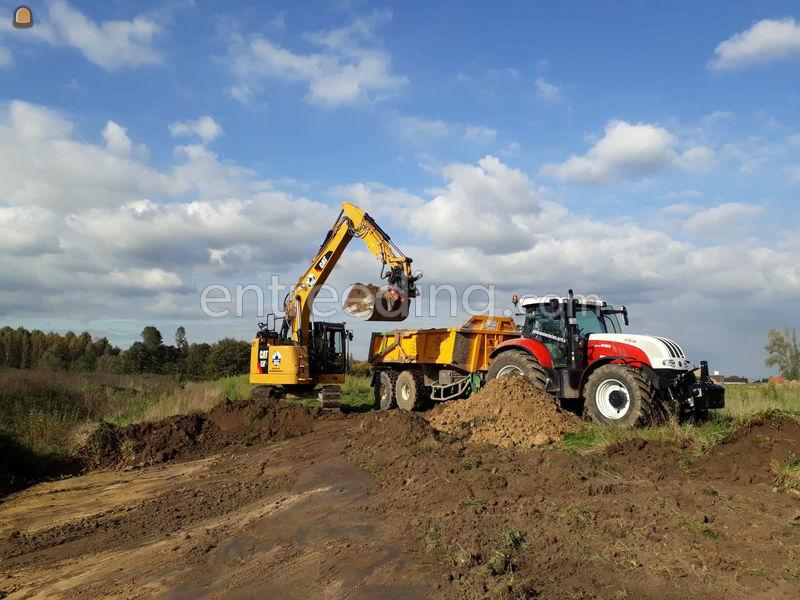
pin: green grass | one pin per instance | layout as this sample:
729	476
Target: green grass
749	398
742	403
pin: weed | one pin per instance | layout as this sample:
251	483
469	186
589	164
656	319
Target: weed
468	464
787	475
549	462
580	515
501	561
471	502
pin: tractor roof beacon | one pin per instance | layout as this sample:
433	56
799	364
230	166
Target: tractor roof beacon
574	349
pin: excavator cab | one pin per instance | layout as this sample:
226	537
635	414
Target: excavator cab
329	349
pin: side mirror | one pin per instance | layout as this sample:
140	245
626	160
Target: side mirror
625	315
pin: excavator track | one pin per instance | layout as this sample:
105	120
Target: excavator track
330	396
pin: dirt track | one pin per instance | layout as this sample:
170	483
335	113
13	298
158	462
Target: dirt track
380	505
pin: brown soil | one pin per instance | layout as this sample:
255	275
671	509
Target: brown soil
382	505
509	411
195	435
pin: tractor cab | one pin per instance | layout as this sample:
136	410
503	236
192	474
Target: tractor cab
547	322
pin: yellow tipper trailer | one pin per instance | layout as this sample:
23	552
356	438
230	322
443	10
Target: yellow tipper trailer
411	364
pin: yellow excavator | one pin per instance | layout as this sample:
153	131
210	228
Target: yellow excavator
294	353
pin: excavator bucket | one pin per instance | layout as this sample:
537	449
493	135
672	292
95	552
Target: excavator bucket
373	303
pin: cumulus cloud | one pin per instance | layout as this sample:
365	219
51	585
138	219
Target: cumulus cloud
547	91
629	151
727	219
78	174
206	128
350	66
765	41
484	206
103	228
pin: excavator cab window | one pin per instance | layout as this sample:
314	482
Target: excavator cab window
329	348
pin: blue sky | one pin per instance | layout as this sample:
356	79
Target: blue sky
647	153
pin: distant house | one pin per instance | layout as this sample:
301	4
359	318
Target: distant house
778	380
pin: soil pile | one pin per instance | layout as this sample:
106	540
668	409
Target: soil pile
183	437
509	411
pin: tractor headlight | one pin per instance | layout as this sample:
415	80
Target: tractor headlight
669	362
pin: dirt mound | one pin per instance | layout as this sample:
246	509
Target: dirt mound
192	436
755	453
509	411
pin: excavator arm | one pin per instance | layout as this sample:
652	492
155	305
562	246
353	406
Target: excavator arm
370	303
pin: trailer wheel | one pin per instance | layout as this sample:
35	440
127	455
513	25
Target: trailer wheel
518	362
410	389
384	389
619	395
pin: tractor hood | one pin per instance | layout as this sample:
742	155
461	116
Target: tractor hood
661	353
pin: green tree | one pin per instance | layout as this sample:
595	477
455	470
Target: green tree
180	340
783	352
151	337
228	357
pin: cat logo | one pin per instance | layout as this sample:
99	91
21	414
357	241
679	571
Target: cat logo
324	260
276	359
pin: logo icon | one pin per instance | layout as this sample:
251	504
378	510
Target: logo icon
276	358
23	17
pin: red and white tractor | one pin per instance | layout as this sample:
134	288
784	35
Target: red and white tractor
575	350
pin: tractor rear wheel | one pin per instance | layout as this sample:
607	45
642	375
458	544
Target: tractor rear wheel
619	395
518	362
410	389
384	389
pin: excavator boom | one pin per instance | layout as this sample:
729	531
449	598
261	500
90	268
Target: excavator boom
366	302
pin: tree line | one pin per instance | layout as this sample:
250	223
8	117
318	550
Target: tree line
23	349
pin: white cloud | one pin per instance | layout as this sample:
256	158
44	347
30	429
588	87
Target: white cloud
77	174
110	44
547	91
206	128
629	151
683	194
478	133
484	206
420	130
6	58
728	220
417	128
117	140
765	41
625	151
351	66
697	158
100	230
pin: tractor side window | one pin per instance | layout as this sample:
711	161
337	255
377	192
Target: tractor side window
612	323
589	321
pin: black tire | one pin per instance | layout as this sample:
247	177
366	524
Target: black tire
385	382
409	391
519	362
619	395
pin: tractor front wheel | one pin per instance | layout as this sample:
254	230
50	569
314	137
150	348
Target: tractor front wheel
619	395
